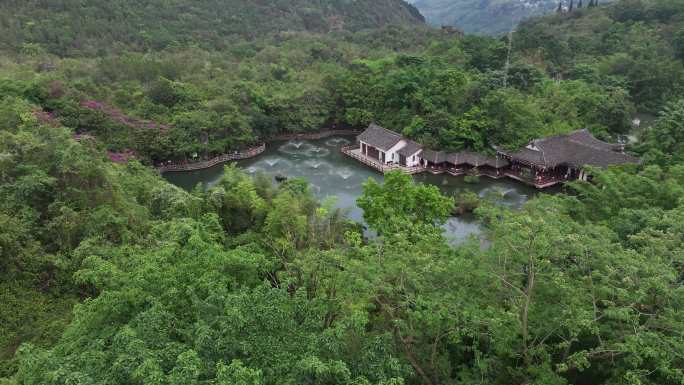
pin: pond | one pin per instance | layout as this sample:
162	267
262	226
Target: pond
331	173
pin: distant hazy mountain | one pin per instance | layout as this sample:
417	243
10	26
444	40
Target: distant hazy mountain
482	16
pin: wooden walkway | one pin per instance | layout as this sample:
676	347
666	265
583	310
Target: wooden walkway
237	155
471	172
540	184
252	152
354	152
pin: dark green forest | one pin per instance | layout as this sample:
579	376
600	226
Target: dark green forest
111	275
97	28
593	68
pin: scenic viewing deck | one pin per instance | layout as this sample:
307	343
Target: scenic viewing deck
543	163
355	152
541	182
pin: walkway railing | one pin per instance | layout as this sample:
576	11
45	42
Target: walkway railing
193	166
491	174
250	153
543	182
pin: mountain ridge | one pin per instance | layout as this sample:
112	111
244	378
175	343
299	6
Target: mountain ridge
66	27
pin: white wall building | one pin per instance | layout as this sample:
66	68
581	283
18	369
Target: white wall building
388	147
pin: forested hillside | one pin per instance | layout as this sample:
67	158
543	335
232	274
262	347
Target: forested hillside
96	27
255	284
110	275
634	45
590	68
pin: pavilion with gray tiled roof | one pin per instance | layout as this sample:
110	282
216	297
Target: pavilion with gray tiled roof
389	148
411	148
553	160
380	137
576	150
434	157
542	163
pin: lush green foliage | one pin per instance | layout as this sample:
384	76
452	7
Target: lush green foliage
249	282
252	283
74	28
398	206
663	143
633	44
593	68
56	195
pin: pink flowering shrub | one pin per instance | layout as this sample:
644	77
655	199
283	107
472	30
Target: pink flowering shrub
121	157
47	118
118	116
56	89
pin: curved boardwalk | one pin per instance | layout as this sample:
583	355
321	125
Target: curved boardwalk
238	155
252	152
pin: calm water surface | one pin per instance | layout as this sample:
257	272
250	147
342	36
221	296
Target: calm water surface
333	174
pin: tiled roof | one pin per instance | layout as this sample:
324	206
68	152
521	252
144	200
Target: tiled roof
465	157
576	149
586	138
497	162
410	148
476	160
526	155
379	137
433	156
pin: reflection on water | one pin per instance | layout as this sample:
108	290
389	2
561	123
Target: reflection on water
460	228
501	191
333	174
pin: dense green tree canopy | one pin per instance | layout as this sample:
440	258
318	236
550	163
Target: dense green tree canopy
253	283
592	68
110	275
71	27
